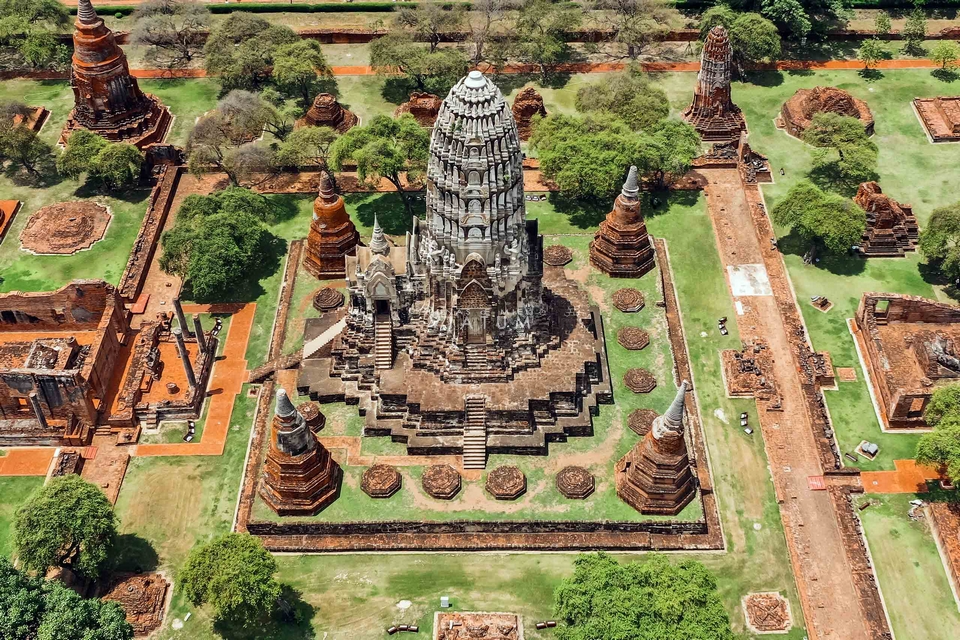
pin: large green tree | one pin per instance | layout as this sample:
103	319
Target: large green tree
386	148
941	447
821	218
235	575
172	31
431	21
241	50
652	599
67	523
753	38
297	67
628	95
856	154
30	28
940	240
668	150
307	147
117	165
433	71
32	608
540	33
635	24
20	145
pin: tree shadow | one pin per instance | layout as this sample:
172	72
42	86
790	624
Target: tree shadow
829	178
581	213
837	264
135	554
397	90
800	73
509	82
945	75
284	206
870	75
290	619
764	78
932	274
92	189
46	177
388	209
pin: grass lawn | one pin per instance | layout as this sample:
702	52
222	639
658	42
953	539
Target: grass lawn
911	574
14	490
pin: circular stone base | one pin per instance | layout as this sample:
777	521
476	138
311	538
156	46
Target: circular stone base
381	481
633	338
441	481
641	421
639	380
506	483
628	300
65	227
311	414
328	299
557	255
575	483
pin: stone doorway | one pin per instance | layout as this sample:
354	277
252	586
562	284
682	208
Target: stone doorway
476	327
382	310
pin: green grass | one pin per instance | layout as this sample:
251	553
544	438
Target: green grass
14	491
914	584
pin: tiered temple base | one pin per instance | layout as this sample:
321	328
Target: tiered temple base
300	485
940	117
143	130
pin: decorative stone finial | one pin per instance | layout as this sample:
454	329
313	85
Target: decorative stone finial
285	408
327	191
674	415
630	187
378	243
475	80
86	14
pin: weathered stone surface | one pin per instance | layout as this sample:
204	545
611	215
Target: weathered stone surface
381	481
891	228
328	299
107	99
332	234
655	476
628	300
557	255
65	227
424	107
940	117
441	481
639	380
527	104
575	483
633	338
621	247
797	112
712	112
143	598
327	112
312	415
506	483
641	421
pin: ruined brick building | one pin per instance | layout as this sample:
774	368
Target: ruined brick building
332	234
458	342
797	112
891	228
327	112
940	117
621	247
107	99
712	112
910	347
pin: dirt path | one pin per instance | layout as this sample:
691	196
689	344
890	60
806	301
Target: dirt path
908	478
26	461
824	577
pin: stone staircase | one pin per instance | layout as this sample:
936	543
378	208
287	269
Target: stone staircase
475	433
383	345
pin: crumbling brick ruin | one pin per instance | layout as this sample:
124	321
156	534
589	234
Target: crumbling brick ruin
65	227
424	108
712	112
743	372
107	99
891	227
940	117
527	104
300	477
655	477
327	112
143	598
909	345
332	234
621	247
797	112
58	352
477	626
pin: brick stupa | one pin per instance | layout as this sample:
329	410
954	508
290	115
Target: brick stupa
107	99
655	477
891	229
621	247
332	235
424	108
527	104
712	112
300	477
797	113
327	112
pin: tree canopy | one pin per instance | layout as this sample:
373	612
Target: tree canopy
434	71
296	68
173	31
116	165
235	575
628	95
306	146
540	33
870	52
636	24
30	28
652	599
856	159
241	49
941	447
821	218
940	240
20	145
67	523
753	38
429	21
32	608
385	148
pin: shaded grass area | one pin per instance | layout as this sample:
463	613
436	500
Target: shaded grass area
14	491
911	574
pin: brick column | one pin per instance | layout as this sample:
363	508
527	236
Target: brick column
185	358
198	329
180	317
37	409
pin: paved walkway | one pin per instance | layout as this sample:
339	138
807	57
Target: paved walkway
909	477
229	374
26	461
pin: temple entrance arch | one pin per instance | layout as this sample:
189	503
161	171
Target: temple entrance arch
473	301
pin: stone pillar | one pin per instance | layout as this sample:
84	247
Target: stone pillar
198	329
37	409
182	319
185	358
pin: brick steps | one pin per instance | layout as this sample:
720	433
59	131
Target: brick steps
475	433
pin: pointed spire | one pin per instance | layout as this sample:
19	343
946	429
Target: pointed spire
86	14
630	188
378	243
674	415
285	408
327	192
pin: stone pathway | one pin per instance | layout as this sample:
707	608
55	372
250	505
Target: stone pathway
26	461
909	477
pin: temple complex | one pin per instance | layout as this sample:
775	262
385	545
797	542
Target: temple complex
300	477
940	117
621	247
458	342
797	112
327	112
655	477
332	234
527	104
909	348
424	107
712	112
107	99
891	227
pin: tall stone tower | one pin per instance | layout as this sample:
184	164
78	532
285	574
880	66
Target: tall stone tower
332	234
107	99
712	111
655	476
621	247
299	476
